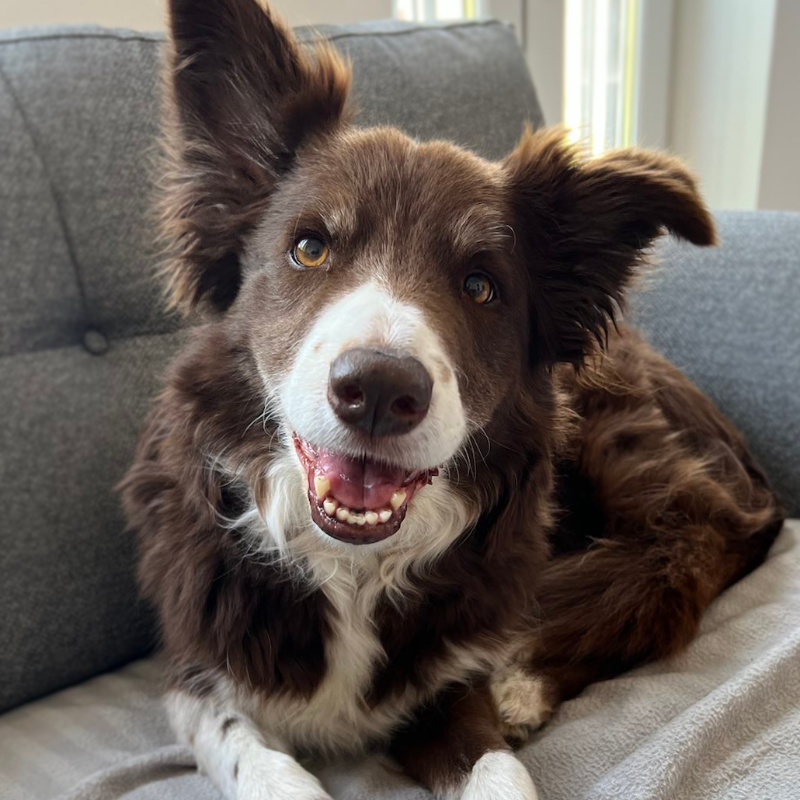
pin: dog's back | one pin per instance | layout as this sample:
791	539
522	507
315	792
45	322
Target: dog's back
662	507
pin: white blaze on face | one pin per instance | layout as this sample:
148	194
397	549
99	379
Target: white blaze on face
371	317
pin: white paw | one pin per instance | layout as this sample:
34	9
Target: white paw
523	702
499	776
277	776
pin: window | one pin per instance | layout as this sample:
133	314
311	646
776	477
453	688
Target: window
436	10
600	71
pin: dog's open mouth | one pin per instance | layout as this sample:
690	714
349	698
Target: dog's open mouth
359	501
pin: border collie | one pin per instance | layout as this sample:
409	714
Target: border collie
411	483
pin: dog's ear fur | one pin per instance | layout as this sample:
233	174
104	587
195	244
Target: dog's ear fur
585	225
242	97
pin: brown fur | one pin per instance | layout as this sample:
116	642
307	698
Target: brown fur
224	157
217	607
673	491
615	501
449	736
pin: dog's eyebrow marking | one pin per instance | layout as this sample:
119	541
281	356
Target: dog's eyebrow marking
480	227
340	221
308	200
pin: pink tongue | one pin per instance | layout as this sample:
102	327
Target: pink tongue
359	484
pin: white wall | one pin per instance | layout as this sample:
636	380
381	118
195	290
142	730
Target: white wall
654	73
149	14
544	42
780	163
539	25
137	14
721	68
321	12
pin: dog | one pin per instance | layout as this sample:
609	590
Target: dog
412	482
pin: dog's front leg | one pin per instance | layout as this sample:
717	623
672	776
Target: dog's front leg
457	750
239	759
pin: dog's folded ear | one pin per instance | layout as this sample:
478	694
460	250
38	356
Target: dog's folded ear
242	97
585	225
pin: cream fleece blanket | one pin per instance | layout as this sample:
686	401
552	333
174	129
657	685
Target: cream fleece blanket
720	721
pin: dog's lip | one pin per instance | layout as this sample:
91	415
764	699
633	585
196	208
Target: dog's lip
358	524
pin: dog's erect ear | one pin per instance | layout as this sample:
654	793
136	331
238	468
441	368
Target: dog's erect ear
243	96
585	225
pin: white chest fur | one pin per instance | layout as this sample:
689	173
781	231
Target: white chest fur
337	718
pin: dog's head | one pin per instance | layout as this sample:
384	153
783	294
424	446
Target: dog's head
393	294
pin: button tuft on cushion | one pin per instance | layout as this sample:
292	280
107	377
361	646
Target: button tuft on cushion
95	343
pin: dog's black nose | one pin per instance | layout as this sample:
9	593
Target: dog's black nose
380	393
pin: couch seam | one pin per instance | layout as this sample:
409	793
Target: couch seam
154	39
57	203
157	38
111	341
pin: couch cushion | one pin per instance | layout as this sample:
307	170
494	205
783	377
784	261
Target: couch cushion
82	331
67	590
84	109
87	107
729	317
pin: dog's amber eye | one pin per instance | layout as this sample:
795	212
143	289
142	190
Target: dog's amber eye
311	251
479	288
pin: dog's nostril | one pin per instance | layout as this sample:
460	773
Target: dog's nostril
405	406
351	394
380	393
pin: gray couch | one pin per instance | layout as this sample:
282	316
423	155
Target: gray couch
83	338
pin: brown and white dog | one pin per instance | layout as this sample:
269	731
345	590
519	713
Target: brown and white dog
410	486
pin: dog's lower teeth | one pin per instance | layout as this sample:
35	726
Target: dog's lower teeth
344	514
330	506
